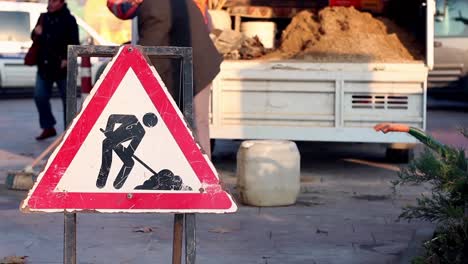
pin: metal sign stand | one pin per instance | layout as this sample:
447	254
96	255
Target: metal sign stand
181	221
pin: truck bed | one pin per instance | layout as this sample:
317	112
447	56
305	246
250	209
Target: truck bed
299	100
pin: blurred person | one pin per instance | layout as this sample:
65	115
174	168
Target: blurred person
57	30
178	23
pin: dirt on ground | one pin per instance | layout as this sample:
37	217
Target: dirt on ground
344	34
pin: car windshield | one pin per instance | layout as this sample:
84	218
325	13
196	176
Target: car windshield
451	19
14	26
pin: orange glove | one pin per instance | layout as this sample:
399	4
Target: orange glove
391	127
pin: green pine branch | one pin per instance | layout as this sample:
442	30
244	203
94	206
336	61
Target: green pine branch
446	169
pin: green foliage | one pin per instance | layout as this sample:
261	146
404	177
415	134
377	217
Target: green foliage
448	177
464	131
449	245
437	208
446	169
418	260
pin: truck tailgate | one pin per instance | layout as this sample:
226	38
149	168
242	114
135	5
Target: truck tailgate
300	100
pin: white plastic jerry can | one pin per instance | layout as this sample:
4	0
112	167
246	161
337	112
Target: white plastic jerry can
268	172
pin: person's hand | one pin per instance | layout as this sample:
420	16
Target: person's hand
390	127
38	30
63	64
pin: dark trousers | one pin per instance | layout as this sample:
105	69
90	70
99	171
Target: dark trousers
42	94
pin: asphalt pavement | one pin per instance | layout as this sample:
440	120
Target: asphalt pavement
346	212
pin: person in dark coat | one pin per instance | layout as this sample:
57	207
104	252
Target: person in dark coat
178	23
54	31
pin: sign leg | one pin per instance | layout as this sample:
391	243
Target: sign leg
177	239
190	242
69	238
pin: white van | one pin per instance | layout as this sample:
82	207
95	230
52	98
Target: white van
17	19
451	47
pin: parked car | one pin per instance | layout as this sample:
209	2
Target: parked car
17	19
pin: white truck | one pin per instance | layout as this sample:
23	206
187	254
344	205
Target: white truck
448	79
334	102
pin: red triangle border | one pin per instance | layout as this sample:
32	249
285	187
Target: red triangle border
43	197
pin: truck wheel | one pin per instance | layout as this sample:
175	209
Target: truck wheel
395	155
212	145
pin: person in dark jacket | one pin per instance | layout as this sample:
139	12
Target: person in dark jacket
54	31
178	23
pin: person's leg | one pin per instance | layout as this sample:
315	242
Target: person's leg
62	87
42	93
201	103
126	155
106	162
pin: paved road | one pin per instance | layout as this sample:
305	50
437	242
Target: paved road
346	212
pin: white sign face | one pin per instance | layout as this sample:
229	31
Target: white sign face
129	150
157	148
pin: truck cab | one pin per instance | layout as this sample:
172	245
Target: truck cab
448	78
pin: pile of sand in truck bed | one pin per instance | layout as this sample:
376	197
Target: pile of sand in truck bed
342	34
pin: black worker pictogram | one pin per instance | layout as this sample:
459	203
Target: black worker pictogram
130	130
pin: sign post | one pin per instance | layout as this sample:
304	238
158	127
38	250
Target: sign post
148	160
69	218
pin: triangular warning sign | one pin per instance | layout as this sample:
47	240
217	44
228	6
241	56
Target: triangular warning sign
129	150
